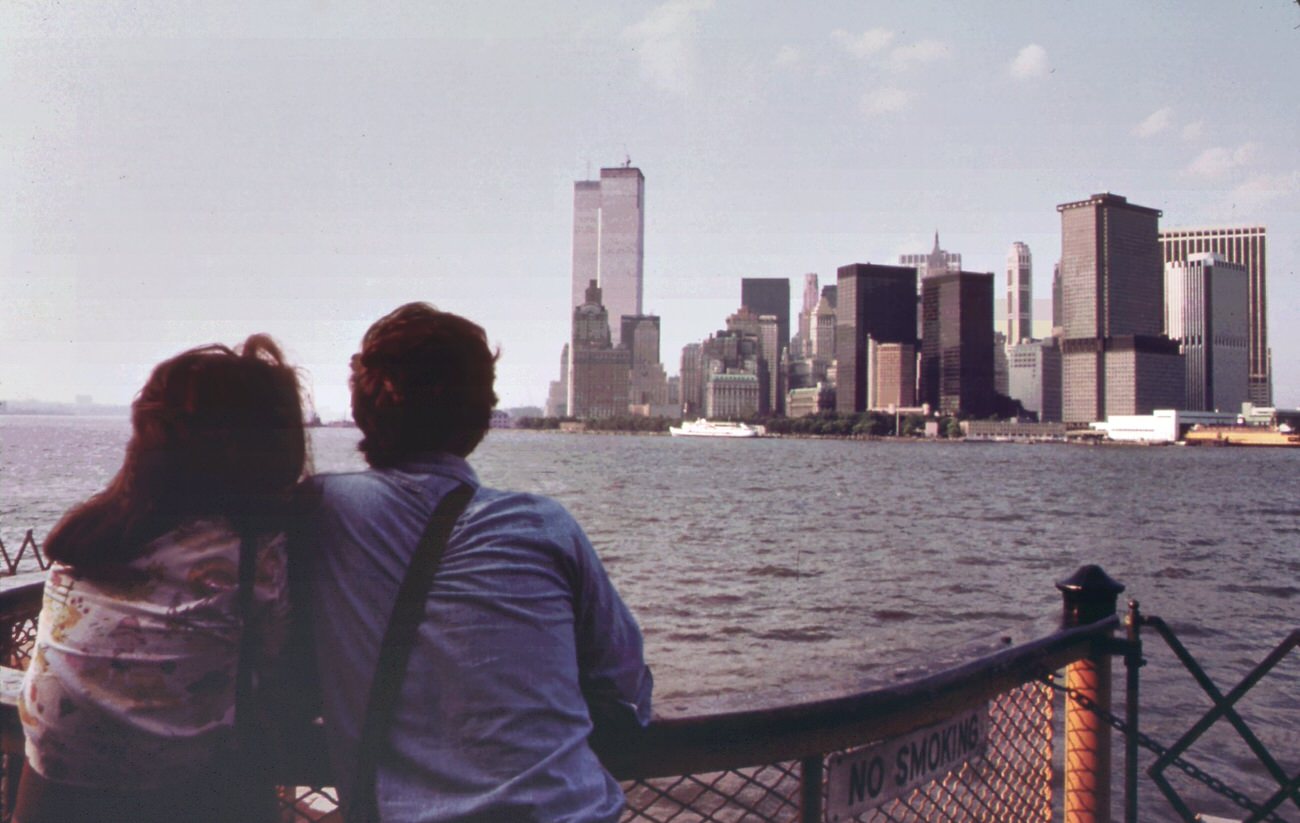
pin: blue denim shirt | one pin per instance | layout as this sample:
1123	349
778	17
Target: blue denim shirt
522	620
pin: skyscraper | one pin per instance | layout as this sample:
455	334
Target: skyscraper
1206	311
935	261
1243	245
1114	357
804	335
598	371
770	296
609	241
874	302
1020	298
957	343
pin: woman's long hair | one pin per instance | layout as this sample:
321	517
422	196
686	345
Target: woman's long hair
215	432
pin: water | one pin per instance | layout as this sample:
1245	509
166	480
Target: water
770	569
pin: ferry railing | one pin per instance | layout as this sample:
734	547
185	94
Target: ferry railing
980	735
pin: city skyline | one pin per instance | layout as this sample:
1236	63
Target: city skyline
179	176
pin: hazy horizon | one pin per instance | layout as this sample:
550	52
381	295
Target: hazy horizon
183	173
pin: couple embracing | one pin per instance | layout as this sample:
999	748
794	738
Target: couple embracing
463	639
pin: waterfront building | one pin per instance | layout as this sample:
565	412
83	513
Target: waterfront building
1034	377
731	395
1115	359
609	240
873	302
598	370
1243	245
891	375
1020	301
1207	307
810	400
957	343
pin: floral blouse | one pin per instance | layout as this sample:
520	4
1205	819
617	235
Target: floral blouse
132	680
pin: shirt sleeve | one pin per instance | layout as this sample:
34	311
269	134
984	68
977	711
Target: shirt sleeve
611	660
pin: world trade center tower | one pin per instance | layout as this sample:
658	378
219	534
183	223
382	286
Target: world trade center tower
609	241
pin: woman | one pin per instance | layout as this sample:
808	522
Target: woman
146	635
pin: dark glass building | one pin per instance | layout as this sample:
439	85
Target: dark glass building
957	343
873	301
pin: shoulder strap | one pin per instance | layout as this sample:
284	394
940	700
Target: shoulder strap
395	651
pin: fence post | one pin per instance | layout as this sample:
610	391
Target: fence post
810	789
1088	595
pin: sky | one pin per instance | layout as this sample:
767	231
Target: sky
178	173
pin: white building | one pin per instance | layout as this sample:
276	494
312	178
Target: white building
1020	298
1207	310
609	241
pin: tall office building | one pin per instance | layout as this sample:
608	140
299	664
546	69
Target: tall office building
598	371
1058	302
770	297
1034	377
692	379
1243	245
891	375
874	302
765	329
1020	298
647	381
801	343
823	326
1114	357
1206	311
957	343
609	240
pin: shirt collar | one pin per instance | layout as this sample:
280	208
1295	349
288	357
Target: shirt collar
443	463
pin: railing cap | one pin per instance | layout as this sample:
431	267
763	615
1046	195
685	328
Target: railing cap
1088	595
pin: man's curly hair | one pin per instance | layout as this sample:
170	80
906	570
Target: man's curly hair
422	382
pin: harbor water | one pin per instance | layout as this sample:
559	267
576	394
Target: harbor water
776	569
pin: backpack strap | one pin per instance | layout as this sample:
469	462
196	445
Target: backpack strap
395	651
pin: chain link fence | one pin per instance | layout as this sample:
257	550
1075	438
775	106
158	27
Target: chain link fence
1010	780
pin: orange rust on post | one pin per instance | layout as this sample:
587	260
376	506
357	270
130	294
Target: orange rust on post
1087	742
1088	596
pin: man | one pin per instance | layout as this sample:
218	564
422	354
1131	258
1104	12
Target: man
523	638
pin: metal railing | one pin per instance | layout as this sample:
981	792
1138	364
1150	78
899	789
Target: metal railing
797	761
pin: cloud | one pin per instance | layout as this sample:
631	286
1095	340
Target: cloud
1218	162
918	53
1155	123
1193	131
866	44
1260	189
788	56
885	100
1030	63
664	42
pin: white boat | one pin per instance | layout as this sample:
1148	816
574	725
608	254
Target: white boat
711	428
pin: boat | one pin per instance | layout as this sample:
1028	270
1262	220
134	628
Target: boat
715	428
1242	436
